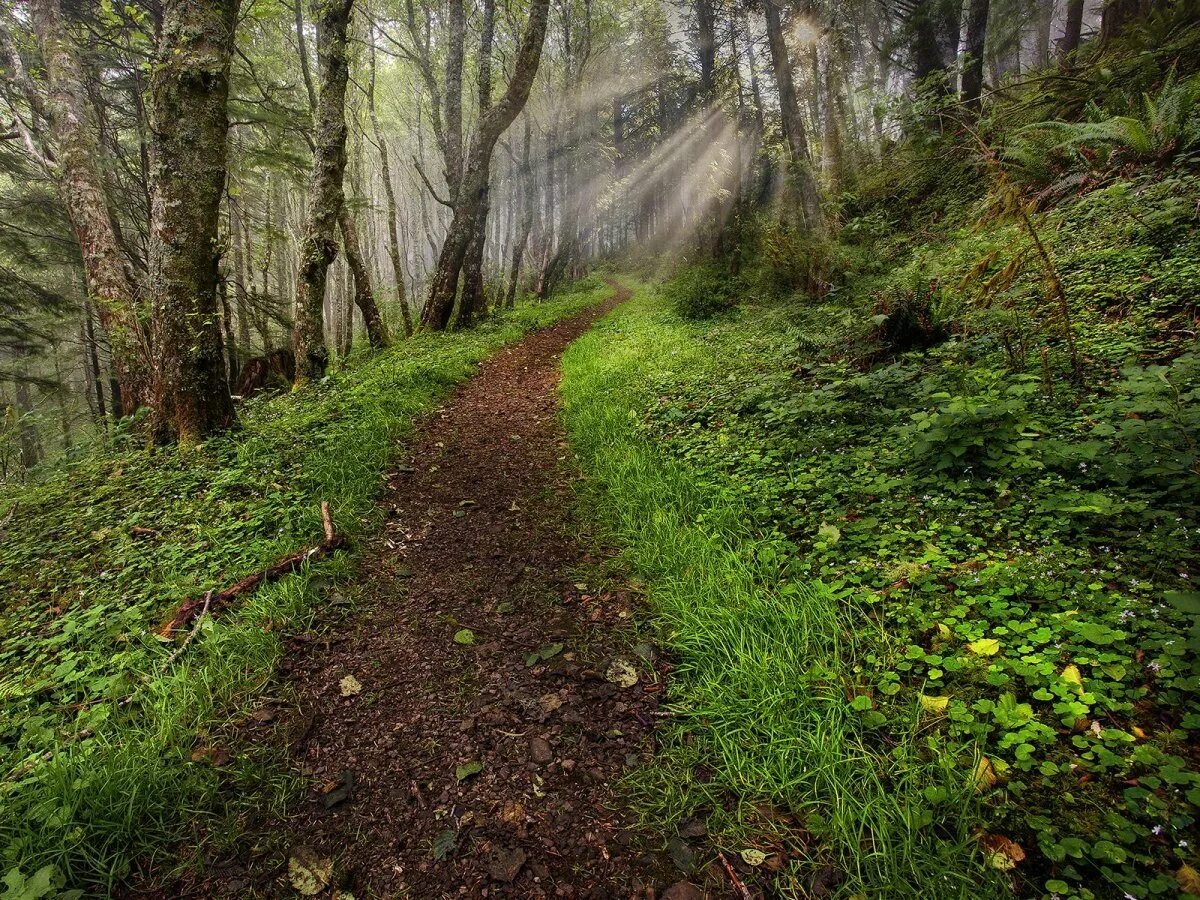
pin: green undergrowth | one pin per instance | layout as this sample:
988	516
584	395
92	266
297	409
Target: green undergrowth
108	757
929	581
766	742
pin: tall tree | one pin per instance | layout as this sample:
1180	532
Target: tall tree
1072	29
318	247
472	186
189	92
385	175
77	159
800	170
972	73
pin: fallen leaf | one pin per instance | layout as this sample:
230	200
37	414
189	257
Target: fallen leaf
513	813
984	775
464	636
443	844
1071	673
550	702
466	770
308	871
984	647
752	857
1188	880
934	704
621	673
1000	852
350	686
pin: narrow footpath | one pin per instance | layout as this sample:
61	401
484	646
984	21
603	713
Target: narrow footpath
464	732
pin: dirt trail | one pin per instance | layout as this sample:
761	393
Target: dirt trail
480	536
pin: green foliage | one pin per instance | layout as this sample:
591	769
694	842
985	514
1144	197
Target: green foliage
1154	129
767	660
1009	552
105	756
699	292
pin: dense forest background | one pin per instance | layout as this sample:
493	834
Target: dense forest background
653	125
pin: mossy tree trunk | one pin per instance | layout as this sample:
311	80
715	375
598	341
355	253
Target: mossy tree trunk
189	120
972	74
803	181
385	175
318	247
79	159
364	297
472	187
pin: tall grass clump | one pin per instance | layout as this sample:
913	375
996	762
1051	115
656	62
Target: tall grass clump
764	681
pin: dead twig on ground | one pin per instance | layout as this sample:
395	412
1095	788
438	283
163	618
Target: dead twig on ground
293	562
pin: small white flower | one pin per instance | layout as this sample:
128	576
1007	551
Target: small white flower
1157	829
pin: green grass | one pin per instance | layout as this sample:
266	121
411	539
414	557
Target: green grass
105	757
765	742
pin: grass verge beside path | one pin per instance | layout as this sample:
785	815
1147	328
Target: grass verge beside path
765	742
100	551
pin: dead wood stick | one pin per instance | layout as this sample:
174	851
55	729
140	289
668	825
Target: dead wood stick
739	886
293	562
191	636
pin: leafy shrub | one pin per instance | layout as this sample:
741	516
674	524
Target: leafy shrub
907	320
992	429
700	292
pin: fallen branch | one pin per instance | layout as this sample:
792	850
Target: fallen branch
191	634
739	886
213	601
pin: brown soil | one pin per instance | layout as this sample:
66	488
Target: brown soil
480	535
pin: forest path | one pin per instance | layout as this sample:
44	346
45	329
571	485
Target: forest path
480	535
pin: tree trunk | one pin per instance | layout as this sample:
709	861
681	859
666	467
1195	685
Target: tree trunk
473	187
1072	29
189	90
111	286
364	297
318	248
972	75
528	202
473	303
800	161
385	175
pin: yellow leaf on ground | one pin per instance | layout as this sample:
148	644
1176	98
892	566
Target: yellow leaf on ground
1071	673
1188	880
308	871
984	775
985	646
1000	852
934	704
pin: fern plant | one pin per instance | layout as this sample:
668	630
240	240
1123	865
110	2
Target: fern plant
1155	129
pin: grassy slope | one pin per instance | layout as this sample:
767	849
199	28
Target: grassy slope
764	655
88	783
874	571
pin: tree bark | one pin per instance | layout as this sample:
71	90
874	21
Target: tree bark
1072	29
972	75
799	158
473	186
364	297
385	175
528	202
473	303
189	91
318	248
79	156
